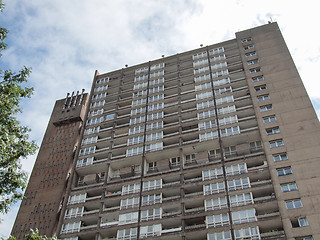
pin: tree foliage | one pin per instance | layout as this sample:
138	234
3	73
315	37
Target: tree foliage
14	139
34	235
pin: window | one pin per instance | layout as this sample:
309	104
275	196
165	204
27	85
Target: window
280	157
203	86
71	238
156	98
101	88
284	171
73	212
218	220
241	199
263	97
237	184
137	120
257	79
190	158
260	88
219	74
129	203
202	78
273	130
89	140
224	100
207	125
135	130
214	188
212	174
246	40
152	166
223	90
208	136
226	110
295	203
70	227
95	112
236	169
216	203
127	234
251	233
156	89
154	116
140	93
288	187
142	70
155	107
250	54
226	235
156	74
269	119
201	70
134	151
150	231
217	58
231	150
94	121
205	104
151	214
199	55
215	153
151	199
244	216
156	81
130	189
206	114
139	102
128	218
103	80
249	47
221	82
216	51
255	70
135	140
138	111
155	125
157	66
175	161
204	95
154	147
303	222
140	85
152	185
85	162
218	65
252	62
154	136
200	62
92	130
225	132
276	143
87	151
97	104
141	78
254	146
74	199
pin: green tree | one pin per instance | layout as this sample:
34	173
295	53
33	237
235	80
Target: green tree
14	139
34	235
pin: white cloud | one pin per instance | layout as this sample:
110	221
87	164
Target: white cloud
65	41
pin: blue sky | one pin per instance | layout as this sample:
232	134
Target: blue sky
66	41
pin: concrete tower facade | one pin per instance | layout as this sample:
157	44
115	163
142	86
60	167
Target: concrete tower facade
220	142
